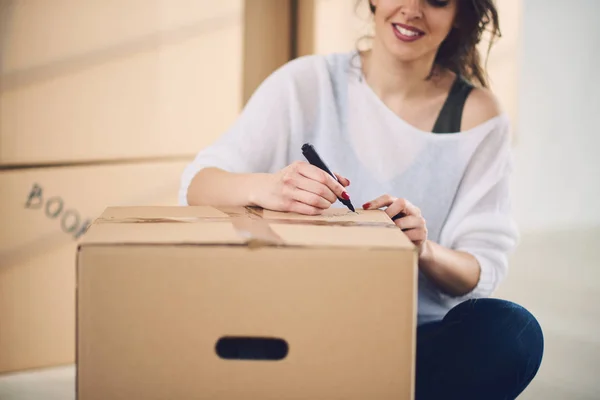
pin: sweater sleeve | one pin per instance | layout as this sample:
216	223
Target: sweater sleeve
480	222
257	140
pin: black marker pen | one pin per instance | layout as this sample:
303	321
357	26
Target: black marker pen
311	155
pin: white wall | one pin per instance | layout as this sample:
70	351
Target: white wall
557	182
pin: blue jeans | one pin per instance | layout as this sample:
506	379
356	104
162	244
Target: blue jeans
483	349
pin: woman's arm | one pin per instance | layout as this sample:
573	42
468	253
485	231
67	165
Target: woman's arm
226	172
454	272
458	273
471	257
299	187
249	166
214	186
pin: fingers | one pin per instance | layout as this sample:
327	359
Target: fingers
405	215
344	181
382	201
289	204
414	227
411	222
322	177
302	208
396	208
309	198
307	189
417	236
399	215
308	185
402	206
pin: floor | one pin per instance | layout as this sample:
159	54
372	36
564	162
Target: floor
51	384
556	276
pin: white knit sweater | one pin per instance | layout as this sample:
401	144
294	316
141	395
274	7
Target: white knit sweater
459	181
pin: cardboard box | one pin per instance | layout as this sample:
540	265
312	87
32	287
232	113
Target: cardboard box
332	26
106	80
267	40
168	295
44	214
109	80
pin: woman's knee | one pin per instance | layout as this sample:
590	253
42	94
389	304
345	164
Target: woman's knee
521	328
511	328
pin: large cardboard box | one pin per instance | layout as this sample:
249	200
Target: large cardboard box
328	26
267	40
175	303
44	213
107	80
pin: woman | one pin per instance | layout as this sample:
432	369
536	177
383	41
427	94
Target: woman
412	124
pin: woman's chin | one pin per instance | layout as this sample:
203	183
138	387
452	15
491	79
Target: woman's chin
405	56
408	54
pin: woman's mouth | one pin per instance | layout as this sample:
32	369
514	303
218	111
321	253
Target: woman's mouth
407	33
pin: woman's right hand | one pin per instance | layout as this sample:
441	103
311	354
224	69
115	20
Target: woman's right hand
301	188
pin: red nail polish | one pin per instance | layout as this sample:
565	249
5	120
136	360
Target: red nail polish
366	205
345	196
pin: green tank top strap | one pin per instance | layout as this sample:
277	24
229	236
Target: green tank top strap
450	117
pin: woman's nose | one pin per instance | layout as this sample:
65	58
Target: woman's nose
411	9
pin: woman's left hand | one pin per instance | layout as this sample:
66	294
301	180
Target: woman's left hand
411	222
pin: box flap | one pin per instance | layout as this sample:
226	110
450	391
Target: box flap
169	212
163	233
167	225
340	236
336	227
332	217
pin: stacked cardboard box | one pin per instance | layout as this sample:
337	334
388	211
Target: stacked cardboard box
102	103
111	80
44	214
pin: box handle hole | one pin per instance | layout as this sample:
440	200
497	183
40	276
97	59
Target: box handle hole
251	348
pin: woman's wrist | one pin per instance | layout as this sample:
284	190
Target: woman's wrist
255	186
213	186
455	272
426	257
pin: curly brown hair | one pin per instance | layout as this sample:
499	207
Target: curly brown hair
458	52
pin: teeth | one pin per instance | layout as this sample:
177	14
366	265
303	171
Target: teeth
405	32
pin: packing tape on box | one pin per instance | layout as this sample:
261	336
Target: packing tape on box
154	220
249	224
323	222
374	224
158	220
256	232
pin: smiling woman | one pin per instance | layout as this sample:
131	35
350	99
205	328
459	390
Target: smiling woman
452	32
412	124
430	32
407	33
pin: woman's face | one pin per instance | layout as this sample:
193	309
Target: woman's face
413	29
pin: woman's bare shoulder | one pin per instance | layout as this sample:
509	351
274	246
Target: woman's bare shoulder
481	106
